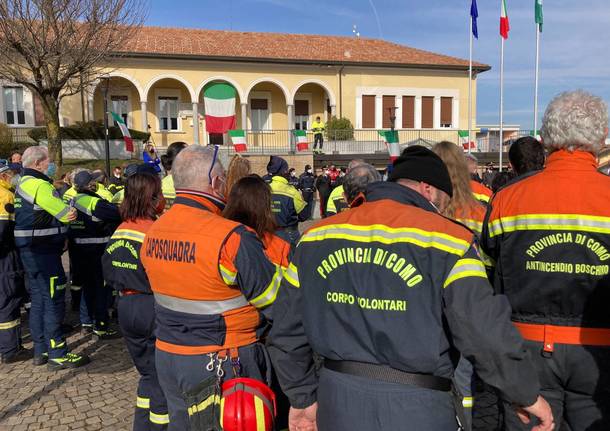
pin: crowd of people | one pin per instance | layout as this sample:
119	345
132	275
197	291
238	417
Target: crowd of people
382	315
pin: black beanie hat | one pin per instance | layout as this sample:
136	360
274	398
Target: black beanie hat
418	163
277	165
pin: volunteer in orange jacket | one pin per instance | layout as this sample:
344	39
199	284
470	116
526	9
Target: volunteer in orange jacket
210	278
549	234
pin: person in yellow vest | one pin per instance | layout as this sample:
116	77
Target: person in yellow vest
167	184
318	128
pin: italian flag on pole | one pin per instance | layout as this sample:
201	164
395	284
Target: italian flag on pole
391	142
238	137
302	144
124	131
219	100
504	25
463	135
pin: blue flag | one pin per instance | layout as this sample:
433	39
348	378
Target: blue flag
474	13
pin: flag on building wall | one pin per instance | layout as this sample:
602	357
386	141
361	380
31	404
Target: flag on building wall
463	135
504	24
219	101
238	137
302	144
124	130
538	14
474	14
391	141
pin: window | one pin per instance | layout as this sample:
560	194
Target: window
368	112
446	111
427	112
408	112
168	113
301	114
13	106
388	104
120	106
259	109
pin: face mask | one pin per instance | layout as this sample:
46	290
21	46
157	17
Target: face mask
309	171
292	174
51	170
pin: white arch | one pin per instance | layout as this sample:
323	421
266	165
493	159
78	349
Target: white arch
324	85
237	87
178	78
115	74
273	81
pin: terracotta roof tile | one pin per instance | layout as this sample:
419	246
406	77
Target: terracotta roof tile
284	47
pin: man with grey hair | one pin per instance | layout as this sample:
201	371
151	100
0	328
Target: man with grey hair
549	235
40	235
336	200
212	281
357	179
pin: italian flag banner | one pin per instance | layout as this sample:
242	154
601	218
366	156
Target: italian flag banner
238	137
219	101
302	144
391	141
124	130
463	135
504	25
538	16
535	134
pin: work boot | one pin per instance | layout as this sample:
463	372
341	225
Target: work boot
105	333
86	328
40	359
21	355
71	360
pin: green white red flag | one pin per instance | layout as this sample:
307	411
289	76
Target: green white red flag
301	136
124	130
504	24
238	137
391	141
463	135
219	101
538	14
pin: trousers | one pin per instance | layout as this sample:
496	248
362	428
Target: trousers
47	281
95	294
137	322
12	290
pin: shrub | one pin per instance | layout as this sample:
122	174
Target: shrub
339	129
87	130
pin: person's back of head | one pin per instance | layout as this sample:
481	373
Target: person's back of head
456	163
143	197
575	120
525	155
501	179
173	150
354	163
357	179
34	155
249	203
198	168
239	167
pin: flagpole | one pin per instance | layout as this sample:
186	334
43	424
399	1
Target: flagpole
501	101
470	88
536	80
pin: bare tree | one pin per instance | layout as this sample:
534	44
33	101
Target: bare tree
57	48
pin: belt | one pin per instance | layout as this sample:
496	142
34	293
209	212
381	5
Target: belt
551	334
103	240
25	233
388	374
128	292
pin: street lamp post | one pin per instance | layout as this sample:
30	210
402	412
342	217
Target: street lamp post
106	140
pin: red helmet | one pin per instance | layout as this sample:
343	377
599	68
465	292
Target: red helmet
246	405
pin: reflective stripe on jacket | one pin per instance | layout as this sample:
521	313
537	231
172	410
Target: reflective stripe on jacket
480	191
336	201
286	202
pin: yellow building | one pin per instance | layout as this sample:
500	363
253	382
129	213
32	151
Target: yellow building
282	81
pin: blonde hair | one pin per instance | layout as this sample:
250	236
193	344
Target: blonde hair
454	159
239	167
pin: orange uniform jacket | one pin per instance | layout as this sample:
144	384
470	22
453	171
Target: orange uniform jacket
472	217
549	234
480	191
209	275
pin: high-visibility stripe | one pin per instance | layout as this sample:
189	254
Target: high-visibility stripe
158	419
292	275
143	403
268	296
259	411
228	276
195	408
62	213
467	402
466	268
56	345
103	240
52	281
222	412
24	233
10	325
574	222
7	217
24	194
481	197
387	235
193	306
128	234
475	225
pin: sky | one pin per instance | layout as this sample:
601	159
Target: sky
574	48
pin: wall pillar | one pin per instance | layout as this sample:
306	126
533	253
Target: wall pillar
144	119
195	123
244	116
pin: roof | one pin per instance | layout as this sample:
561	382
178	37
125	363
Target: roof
284	48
